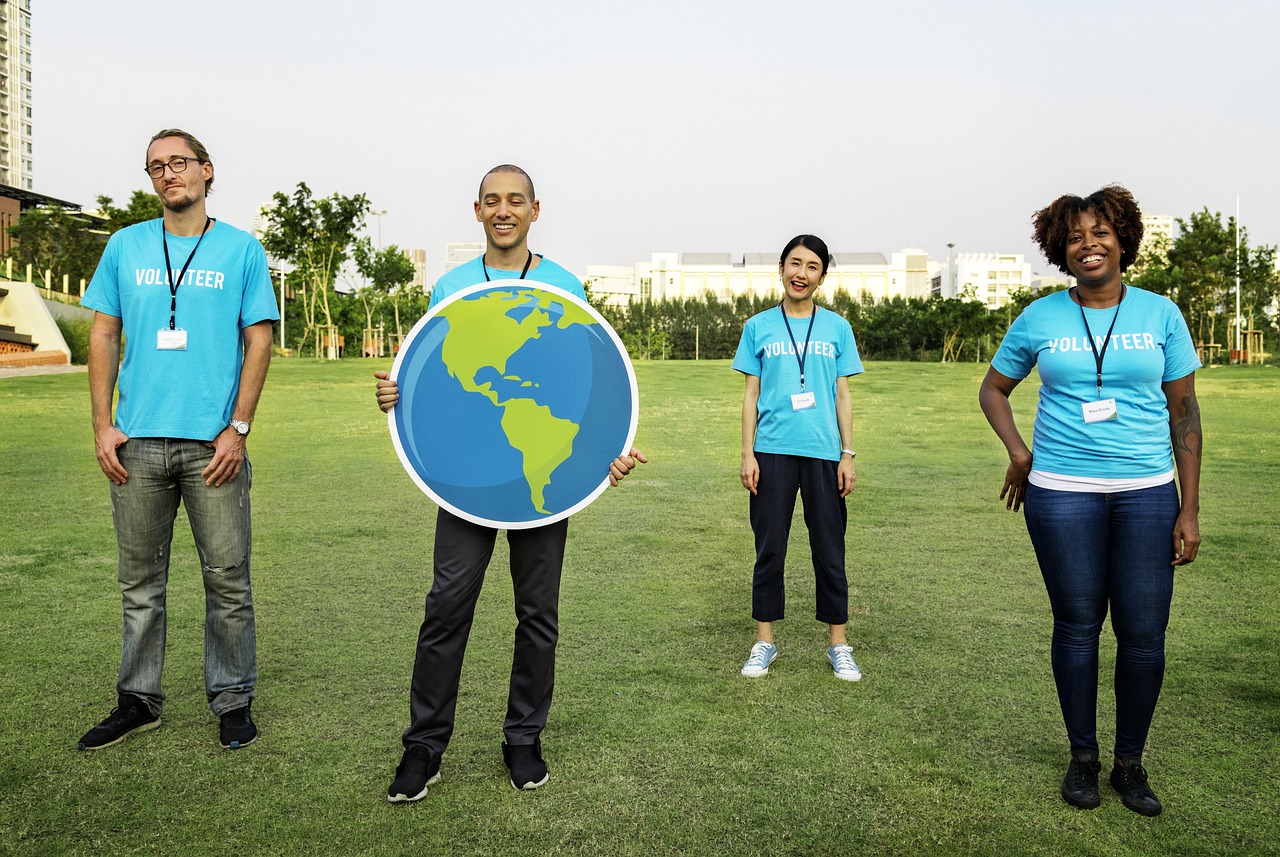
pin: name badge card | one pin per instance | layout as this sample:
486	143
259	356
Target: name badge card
171	340
802	401
1100	411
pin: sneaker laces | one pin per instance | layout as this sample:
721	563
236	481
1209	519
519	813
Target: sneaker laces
759	652
843	659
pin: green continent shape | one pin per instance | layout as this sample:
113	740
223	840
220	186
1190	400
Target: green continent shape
544	440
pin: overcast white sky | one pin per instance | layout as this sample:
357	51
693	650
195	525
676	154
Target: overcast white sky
677	126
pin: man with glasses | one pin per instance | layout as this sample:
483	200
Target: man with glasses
193	300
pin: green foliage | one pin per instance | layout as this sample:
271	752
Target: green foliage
932	328
315	236
387	273
1199	276
76	332
56	240
143	206
951	744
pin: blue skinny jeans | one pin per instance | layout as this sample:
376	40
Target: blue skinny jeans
1098	551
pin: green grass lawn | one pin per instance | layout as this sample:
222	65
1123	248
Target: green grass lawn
952	743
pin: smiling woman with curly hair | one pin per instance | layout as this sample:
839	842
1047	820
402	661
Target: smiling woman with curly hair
1117	419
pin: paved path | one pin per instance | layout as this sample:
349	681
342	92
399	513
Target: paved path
23	371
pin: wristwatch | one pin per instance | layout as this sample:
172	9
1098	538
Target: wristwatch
241	427
849	452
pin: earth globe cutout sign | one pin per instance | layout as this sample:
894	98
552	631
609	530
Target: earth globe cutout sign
515	397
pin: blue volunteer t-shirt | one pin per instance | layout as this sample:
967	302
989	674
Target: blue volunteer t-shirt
191	393
766	351
473	272
1149	345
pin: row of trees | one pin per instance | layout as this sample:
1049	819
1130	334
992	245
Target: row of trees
337	282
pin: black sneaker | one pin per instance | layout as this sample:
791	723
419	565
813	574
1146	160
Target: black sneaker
128	718
237	729
419	768
1080	786
1130	780
524	761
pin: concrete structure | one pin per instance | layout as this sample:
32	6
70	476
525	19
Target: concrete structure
460	252
15	94
29	335
419	259
1157	238
681	276
990	277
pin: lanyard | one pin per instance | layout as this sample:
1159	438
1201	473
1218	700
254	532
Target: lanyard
1098	355
527	263
800	354
168	269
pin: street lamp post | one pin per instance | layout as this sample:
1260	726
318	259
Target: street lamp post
378	214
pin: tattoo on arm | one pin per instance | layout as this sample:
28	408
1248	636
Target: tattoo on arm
1185	431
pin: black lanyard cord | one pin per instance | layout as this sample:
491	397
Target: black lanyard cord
1098	355
485	265
168	269
800	354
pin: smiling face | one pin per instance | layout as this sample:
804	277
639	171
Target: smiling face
801	274
1093	251
179	191
507	210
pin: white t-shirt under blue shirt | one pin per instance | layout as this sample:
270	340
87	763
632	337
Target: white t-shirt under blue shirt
766	350
189	393
1149	345
473	272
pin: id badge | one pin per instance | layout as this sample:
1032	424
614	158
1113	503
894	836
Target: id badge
1099	411
171	340
803	401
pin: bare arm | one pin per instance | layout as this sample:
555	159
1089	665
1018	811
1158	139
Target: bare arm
1187	439
750	471
993	397
228	446
845	477
104	369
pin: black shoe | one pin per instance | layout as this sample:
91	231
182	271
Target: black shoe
419	768
524	761
1130	780
1080	786
129	717
237	729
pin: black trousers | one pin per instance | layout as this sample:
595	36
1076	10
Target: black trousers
825	516
462	553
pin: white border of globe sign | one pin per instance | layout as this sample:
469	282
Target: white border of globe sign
406	348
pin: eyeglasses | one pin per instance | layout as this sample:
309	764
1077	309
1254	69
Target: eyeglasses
175	165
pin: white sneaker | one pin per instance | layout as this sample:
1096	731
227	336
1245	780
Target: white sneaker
762	654
841	658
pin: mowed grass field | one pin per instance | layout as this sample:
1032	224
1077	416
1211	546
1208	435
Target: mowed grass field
952	743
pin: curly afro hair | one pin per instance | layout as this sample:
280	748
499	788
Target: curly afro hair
1113	204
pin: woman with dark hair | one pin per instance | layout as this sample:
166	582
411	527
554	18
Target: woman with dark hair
1117	418
797	433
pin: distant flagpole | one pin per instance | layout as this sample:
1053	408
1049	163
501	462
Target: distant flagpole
1239	346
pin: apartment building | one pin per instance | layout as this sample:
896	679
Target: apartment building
15	94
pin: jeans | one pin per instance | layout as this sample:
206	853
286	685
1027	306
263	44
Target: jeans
1095	551
164	472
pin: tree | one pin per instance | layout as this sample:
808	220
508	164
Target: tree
315	236
142	206
56	240
387	272
1199	275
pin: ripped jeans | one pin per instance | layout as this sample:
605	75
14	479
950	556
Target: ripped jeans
164	472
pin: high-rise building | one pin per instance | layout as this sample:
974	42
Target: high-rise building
15	94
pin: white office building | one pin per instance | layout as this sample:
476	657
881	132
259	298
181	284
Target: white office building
680	276
15	94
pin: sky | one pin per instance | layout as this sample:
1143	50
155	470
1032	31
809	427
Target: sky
676	126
